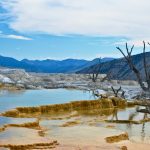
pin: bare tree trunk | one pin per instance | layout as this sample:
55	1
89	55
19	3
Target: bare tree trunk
95	71
137	73
116	92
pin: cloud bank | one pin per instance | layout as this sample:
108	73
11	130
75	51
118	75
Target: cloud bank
128	18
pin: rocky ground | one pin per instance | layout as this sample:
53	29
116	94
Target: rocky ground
19	79
92	130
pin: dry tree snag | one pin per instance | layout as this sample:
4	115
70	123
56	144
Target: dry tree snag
107	77
116	92
132	66
97	94
95	71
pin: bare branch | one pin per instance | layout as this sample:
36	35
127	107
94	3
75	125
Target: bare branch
132	66
144	62
123	94
116	91
96	71
131	49
121	52
127	48
119	89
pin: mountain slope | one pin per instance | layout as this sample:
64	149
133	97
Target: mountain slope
48	66
119	68
12	63
55	66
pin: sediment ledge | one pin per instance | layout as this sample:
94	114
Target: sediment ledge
32	125
107	103
117	138
50	145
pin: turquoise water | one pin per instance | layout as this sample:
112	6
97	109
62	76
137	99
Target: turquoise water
9	120
9	100
137	132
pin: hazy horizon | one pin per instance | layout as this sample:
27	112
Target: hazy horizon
60	59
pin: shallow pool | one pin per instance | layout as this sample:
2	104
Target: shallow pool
9	100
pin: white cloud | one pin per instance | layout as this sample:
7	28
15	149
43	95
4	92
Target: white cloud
129	18
12	36
131	42
115	54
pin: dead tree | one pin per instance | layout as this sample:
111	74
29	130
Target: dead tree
107	77
132	66
115	115
116	92
123	94
95	93
95	71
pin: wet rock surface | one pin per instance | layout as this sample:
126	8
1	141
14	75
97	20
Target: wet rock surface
99	104
73	130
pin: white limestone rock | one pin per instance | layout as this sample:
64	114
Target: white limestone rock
4	79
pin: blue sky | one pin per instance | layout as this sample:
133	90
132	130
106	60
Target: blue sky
60	29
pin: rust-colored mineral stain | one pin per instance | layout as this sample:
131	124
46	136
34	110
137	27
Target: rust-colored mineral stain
70	124
117	138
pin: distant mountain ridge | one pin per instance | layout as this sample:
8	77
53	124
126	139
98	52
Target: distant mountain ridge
119	69
48	65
